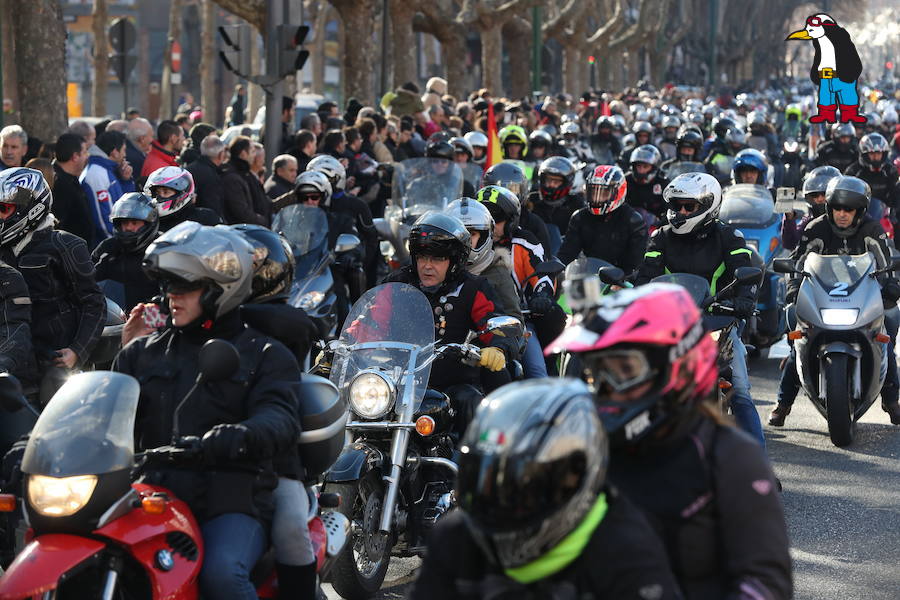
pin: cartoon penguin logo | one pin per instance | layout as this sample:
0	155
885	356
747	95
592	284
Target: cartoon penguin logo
835	69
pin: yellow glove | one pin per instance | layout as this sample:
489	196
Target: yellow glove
492	359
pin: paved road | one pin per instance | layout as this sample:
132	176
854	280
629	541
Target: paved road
843	505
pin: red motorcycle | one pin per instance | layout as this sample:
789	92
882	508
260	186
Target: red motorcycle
96	531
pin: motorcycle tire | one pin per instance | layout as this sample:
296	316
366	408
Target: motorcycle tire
837	399
361	503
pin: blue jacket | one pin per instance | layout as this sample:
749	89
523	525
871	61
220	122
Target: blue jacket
101	181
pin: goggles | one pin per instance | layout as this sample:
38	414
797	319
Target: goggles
623	369
817	22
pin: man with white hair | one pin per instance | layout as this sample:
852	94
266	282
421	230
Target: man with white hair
206	173
140	137
87	131
13	146
284	172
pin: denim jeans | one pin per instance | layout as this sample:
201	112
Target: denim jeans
834	91
533	360
233	542
290	529
741	401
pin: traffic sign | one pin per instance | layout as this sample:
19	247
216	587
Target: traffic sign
122	35
176	57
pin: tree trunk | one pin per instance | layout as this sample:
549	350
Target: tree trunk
41	49
255	97
100	18
492	59
10	79
208	62
358	61
318	51
404	40
571	64
453	46
517	37
166	104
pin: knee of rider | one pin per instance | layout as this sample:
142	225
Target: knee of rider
222	572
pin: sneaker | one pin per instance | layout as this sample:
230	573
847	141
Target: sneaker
778	414
893	411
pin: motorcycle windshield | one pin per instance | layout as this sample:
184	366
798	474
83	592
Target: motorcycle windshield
680	168
306	230
389	329
423	184
695	285
839	274
87	428
747	205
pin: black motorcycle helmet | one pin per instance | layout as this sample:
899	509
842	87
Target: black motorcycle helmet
722	125
503	205
273	263
532	468
559	166
689	138
816	182
440	149
443	236
540	139
509	176
847	192
873	142
139	207
840	132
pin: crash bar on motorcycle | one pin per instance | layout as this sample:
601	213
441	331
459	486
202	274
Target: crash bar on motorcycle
379	425
439	462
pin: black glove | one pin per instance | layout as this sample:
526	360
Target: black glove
540	305
891	291
744	306
226	442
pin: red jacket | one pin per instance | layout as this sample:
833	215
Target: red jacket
156	159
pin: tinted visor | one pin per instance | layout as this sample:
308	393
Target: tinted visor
174	285
621	369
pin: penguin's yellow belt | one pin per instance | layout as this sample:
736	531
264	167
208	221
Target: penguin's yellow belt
827	73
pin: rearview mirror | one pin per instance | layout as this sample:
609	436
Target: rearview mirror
747	274
611	275
346	242
784	265
218	360
550	268
506	326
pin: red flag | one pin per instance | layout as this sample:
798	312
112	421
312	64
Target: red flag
494	155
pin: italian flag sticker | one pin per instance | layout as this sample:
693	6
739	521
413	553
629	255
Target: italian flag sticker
493	436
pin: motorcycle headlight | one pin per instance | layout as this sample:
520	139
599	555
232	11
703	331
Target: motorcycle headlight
310	300
60	496
371	394
839	316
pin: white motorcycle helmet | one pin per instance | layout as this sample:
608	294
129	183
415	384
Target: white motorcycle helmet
701	188
332	169
476	217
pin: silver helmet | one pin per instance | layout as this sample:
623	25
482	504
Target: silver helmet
332	169
476	217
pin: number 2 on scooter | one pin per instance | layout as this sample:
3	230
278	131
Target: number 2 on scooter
839	289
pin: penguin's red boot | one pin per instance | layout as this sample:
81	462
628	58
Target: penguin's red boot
827	114
849	114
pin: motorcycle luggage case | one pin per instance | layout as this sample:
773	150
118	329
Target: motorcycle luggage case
110	341
323	415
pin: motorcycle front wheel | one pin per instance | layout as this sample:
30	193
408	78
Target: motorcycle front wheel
837	399
360	568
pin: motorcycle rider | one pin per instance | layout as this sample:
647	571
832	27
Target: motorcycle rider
716	142
667	142
16	351
538	515
605	144
840	151
555	201
521	249
439	247
642	132
572	146
813	190
653	371
608	228
695	241
511	177
687	148
540	146
68	310
721	156
874	168
352	212
440	174
118	259
479	144
513	142
207	273
845	228
646	182
173	190
750	166
268	312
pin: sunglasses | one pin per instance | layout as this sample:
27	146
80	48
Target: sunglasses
843	209
310	198
688	206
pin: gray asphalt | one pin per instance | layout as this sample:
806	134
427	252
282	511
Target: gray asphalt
842	505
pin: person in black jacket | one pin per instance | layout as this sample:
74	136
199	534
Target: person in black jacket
191	151
71	205
554	201
840	151
117	260
538	518
173	190
720	517
696	242
646	182
242	204
206	171
511	177
608	229
68	309
845	228
244	421
16	352
284	173
875	168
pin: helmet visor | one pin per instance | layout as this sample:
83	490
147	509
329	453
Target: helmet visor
621	369
600	194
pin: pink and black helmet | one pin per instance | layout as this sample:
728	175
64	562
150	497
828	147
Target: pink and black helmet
174	178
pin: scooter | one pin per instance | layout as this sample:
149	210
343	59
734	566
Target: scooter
840	340
98	531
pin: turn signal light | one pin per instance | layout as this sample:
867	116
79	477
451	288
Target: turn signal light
773	243
795	335
883	338
424	425
153	505
724	384
7	503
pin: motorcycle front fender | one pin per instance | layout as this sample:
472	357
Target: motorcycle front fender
39	567
356	460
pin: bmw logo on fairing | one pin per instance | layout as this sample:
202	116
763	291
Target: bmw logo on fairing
164	560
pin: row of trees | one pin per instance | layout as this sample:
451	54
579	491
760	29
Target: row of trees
653	39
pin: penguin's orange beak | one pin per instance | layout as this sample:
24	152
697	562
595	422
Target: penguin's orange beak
799	35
